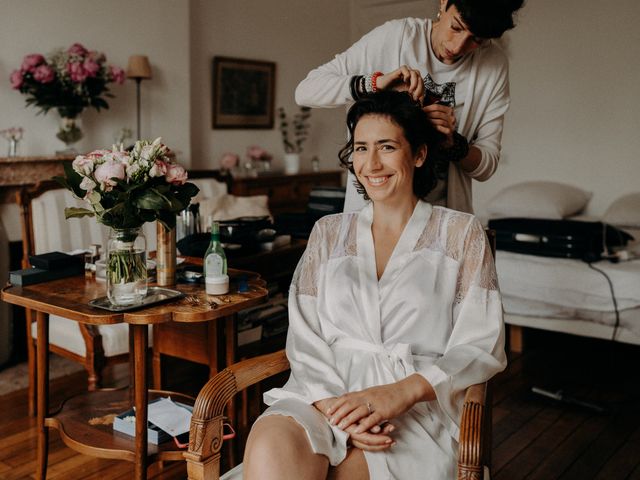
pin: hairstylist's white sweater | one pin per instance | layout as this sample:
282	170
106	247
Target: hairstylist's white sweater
406	42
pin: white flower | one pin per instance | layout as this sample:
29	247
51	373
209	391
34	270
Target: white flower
88	185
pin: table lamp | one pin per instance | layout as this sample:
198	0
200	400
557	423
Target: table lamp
138	69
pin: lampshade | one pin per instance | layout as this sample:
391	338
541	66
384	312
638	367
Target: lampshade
139	67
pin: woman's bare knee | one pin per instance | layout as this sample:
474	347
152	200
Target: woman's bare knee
353	467
278	447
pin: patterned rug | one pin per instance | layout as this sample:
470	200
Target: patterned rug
17	377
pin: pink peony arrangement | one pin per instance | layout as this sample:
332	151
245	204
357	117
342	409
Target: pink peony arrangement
229	161
67	80
126	189
258	154
12	133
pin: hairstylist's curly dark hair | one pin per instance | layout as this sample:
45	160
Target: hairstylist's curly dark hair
487	18
401	109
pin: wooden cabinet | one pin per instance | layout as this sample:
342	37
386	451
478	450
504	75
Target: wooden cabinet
287	193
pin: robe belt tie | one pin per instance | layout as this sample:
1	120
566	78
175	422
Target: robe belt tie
398	353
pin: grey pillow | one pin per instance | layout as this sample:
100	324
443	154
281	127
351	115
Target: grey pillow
539	199
625	211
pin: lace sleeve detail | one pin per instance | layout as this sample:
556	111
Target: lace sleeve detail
321	241
477	267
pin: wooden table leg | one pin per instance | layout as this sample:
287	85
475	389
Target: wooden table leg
42	378
140	342
230	338
31	357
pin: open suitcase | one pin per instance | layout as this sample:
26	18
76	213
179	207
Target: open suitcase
558	238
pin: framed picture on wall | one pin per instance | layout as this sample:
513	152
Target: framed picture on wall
243	93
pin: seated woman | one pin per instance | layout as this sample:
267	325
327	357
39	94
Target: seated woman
394	312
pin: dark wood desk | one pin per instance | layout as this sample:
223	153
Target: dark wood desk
69	298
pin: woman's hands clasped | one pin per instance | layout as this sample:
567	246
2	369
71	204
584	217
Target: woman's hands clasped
376	439
366	414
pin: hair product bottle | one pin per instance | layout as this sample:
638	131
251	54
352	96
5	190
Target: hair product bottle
215	265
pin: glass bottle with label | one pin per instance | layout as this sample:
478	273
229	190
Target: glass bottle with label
215	264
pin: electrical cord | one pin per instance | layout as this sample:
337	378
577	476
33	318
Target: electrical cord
613	297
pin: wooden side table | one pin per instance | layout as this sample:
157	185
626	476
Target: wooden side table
83	420
198	342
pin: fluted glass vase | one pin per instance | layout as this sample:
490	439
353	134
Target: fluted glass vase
69	132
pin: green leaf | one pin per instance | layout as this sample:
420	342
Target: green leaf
151	200
77	212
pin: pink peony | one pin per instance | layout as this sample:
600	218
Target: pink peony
77	72
229	161
44	74
91	68
77	49
159	169
106	174
30	62
176	174
117	74
98	153
16	79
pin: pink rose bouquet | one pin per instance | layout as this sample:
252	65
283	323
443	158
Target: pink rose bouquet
258	154
67	80
126	189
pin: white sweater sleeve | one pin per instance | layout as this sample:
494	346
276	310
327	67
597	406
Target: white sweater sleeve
488	134
328	85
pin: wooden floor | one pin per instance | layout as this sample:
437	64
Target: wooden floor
534	437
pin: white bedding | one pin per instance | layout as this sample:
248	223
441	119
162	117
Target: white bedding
566	295
567	283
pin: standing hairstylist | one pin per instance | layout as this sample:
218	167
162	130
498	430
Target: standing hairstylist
452	67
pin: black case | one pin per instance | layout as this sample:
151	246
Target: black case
557	238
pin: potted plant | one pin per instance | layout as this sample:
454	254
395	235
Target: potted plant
294	134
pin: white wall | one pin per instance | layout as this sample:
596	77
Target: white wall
297	36
575	88
119	28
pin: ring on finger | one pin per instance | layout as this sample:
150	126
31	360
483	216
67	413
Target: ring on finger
370	408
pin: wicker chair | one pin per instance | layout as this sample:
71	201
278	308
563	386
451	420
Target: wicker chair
205	437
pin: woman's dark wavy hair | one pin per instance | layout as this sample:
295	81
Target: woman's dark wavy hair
487	18
400	108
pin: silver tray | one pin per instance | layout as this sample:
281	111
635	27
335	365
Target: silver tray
155	295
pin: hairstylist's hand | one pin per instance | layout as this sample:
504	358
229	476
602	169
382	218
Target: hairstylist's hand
404	79
442	118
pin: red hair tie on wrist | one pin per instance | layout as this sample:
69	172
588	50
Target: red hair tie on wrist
374	79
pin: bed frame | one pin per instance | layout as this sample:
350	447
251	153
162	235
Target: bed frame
584	328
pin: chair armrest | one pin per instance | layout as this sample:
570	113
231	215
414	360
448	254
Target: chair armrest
205	435
473	432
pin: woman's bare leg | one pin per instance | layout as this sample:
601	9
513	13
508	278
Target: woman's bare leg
353	467
278	448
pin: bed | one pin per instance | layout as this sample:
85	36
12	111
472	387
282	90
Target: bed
567	295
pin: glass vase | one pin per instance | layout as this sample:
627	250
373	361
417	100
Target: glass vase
126	266
69	132
13	147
